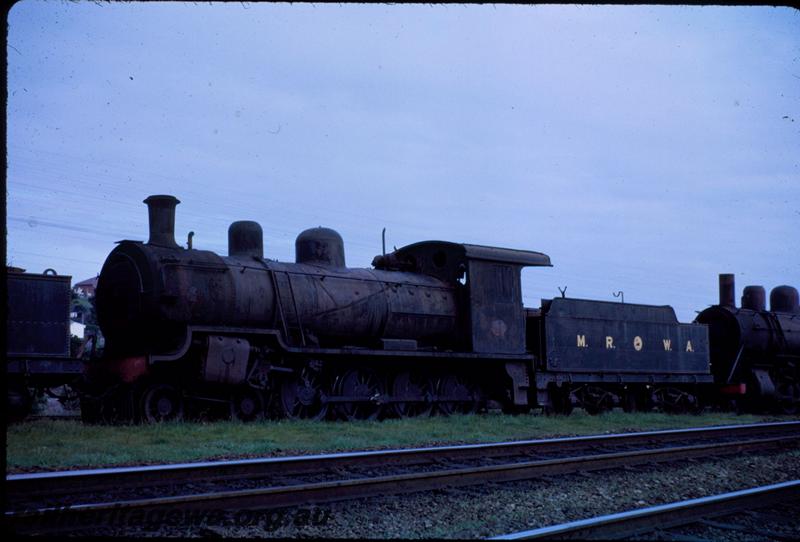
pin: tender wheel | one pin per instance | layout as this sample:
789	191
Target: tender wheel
416	386
366	387
457	395
675	401
247	405
302	396
595	400
161	403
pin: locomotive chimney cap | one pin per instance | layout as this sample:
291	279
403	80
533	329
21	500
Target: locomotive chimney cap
161	212
161	198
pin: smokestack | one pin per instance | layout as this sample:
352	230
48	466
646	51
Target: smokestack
727	290
161	210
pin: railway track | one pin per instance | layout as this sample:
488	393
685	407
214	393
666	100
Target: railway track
77	497
661	520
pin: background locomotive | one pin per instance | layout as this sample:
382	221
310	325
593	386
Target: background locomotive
434	325
37	337
755	353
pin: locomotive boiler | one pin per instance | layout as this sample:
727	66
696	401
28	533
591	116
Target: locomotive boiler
148	293
755	352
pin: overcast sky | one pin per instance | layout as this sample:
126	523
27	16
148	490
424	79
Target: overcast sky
645	149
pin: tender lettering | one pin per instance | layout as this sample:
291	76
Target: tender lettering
609	342
667	344
689	346
637	343
581	341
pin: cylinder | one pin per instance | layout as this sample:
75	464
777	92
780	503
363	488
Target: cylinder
784	299
754	298
246	238
727	290
320	246
161	211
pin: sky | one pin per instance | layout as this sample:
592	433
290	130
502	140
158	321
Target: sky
643	148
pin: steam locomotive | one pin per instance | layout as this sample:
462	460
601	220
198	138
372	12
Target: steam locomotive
755	353
432	327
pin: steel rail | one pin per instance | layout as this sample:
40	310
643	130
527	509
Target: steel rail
62	482
344	489
665	516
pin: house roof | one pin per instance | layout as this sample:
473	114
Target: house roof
88	282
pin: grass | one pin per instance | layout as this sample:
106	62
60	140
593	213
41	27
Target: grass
58	444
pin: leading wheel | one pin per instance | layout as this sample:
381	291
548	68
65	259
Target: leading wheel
247	404
161	403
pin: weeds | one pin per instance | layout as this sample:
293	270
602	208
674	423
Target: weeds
54	444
